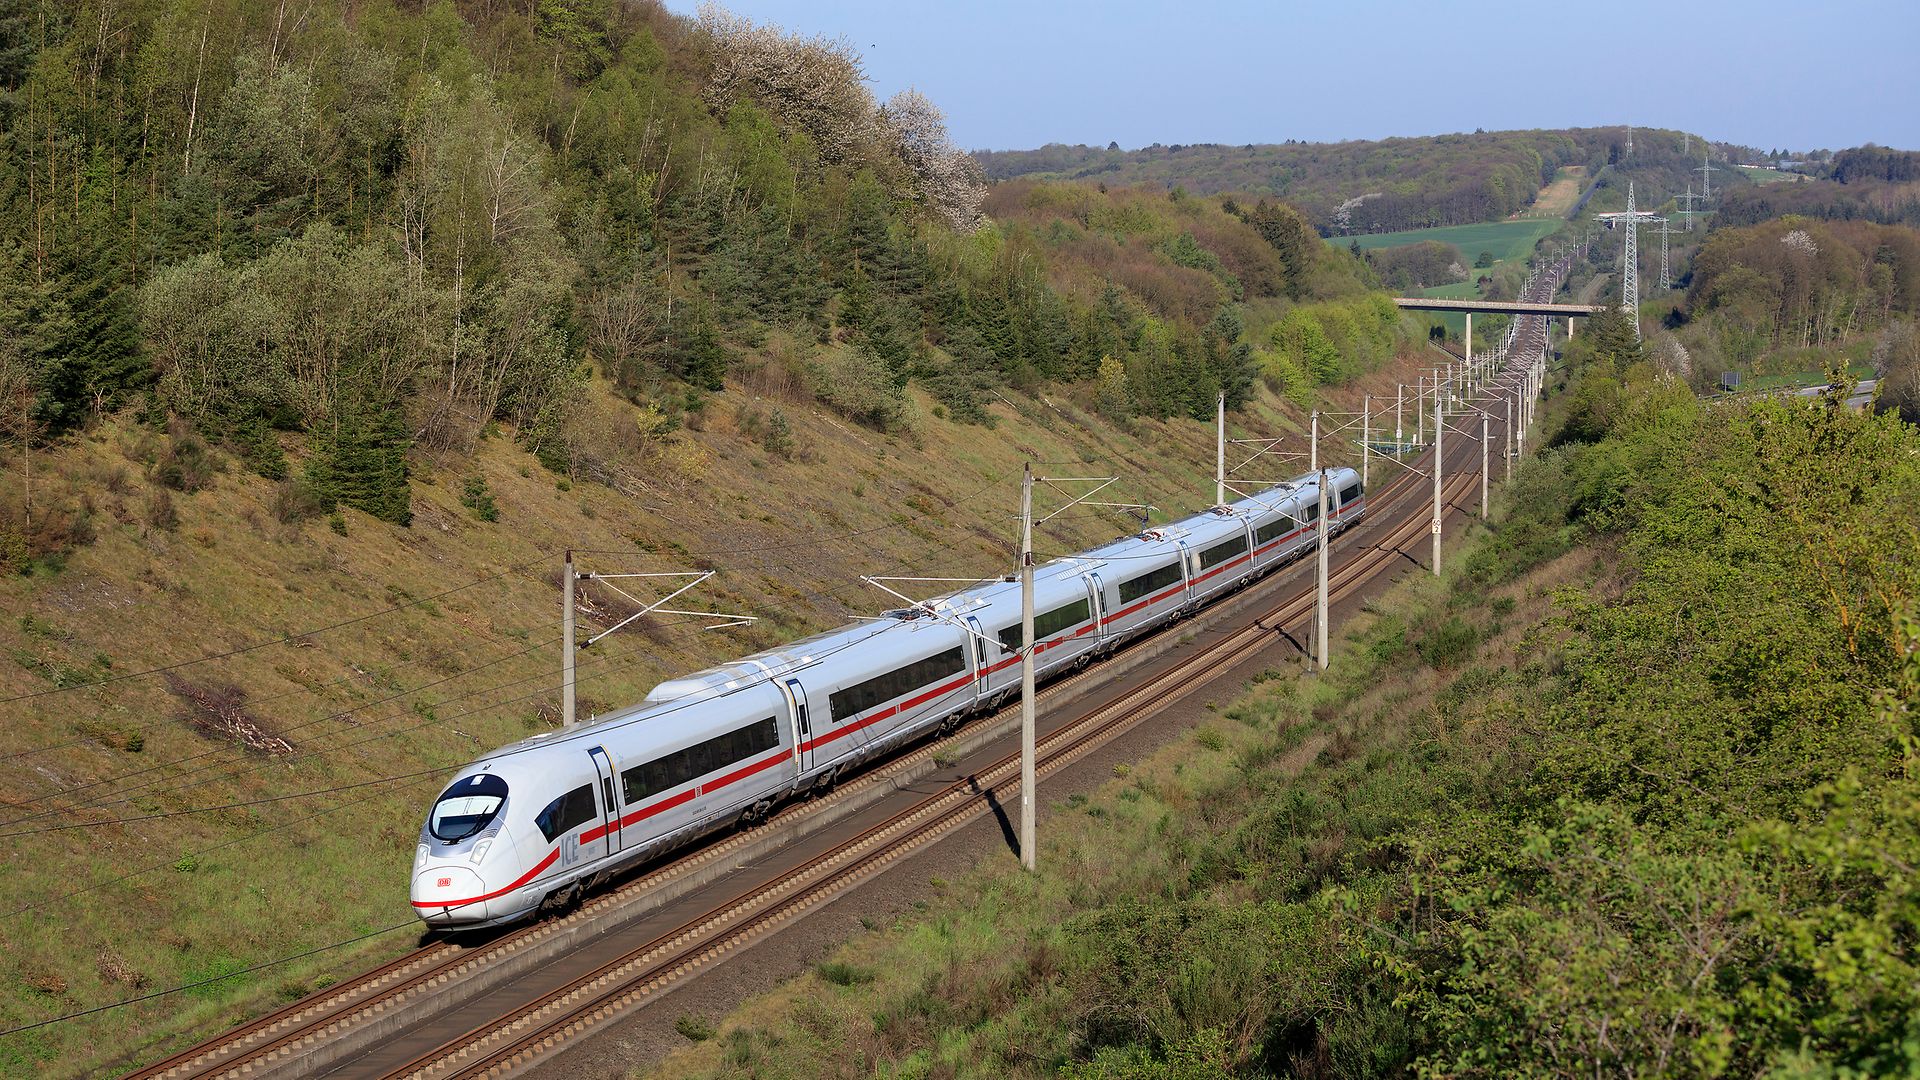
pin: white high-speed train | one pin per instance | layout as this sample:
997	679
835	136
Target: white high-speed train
538	822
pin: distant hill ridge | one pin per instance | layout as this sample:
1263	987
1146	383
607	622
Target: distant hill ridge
1384	185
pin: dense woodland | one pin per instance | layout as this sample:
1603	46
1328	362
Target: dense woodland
1869	183
330	235
1387	185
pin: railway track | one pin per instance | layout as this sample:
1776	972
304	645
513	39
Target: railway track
286	1039
603	995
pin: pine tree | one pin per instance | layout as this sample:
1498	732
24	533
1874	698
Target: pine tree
96	358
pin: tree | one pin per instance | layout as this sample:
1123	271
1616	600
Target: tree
948	178
1294	237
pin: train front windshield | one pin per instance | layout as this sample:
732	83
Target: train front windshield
467	807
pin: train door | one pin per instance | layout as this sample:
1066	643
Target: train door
981	660
1189	565
801	725
1099	590
609	803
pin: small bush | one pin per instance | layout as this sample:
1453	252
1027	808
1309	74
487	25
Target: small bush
840	974
1211	739
1450	643
477	497
187	464
161	514
779	436
294	502
695	1028
337	522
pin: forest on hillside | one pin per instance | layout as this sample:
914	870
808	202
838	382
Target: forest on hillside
1388	185
333	234
1870	183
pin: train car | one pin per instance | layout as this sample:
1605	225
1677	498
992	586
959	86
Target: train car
535	823
1142	582
1219	553
1066	625
532	822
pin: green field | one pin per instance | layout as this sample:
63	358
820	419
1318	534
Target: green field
1506	239
1766	176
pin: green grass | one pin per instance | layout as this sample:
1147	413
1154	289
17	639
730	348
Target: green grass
1505	239
1808	377
1766	176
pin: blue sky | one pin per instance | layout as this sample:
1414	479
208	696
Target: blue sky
1014	74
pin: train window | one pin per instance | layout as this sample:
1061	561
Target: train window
1223	551
1313	511
1149	582
466	807
1275	529
711	755
567	812
899	682
1349	493
1048	624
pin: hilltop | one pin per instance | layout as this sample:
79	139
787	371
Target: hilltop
1386	185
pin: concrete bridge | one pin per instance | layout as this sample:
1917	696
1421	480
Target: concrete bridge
1492	307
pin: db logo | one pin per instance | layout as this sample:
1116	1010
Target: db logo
444	882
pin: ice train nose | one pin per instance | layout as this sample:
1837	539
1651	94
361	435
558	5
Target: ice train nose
445	895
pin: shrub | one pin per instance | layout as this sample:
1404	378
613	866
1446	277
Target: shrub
695	1028
295	502
161	513
1449	643
858	385
477	497
186	464
779	435
840	974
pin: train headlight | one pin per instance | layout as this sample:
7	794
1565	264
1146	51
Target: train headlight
480	850
420	857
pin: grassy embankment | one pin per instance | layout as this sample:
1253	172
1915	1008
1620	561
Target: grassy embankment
1635	790
789	502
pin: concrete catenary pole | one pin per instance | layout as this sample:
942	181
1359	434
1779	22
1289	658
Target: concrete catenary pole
1439	456
1486	437
1399	396
1027	852
1366	438
566	640
1320	588
1220	451
1466	340
1420	410
1509	431
1313	441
